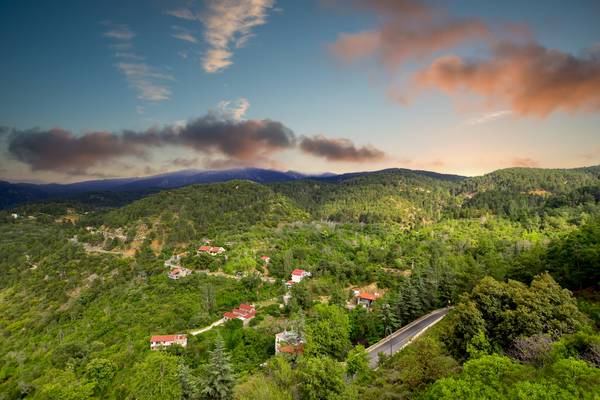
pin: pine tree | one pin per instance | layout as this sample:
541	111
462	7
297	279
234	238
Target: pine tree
219	381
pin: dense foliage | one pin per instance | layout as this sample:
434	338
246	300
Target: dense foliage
82	288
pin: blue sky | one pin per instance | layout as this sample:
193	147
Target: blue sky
61	70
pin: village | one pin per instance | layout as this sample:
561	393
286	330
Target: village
288	342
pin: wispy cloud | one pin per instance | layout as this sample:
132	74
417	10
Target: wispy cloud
148	81
488	117
120	32
184	34
227	24
183	13
235	109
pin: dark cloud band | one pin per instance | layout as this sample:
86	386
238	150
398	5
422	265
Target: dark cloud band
231	141
339	149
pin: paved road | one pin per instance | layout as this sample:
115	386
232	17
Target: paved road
403	336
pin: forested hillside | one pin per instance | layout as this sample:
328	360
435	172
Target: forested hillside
515	252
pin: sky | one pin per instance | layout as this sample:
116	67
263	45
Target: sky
103	89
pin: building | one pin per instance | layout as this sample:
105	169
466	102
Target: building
157	342
288	342
366	299
299	274
212	250
266	259
179	272
245	312
14	215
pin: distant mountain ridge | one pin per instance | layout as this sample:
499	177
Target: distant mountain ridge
14	194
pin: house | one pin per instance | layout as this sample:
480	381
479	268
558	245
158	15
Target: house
157	342
299	274
14	215
366	299
211	250
245	312
179	272
266	259
288	342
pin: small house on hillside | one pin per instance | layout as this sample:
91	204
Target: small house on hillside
265	259
179	272
366	299
299	274
212	250
159	341
245	312
288	342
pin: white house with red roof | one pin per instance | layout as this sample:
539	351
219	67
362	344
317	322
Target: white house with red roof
299	274
266	259
160	341
245	312
212	250
366	299
179	272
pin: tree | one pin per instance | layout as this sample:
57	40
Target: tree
260	387
66	386
190	384
338	297
219	381
156	378
357	362
328	332
100	371
302	295
320	378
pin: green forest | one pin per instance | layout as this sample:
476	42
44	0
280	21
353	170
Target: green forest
514	254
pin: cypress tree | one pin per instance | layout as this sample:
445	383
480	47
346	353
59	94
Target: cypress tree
219	381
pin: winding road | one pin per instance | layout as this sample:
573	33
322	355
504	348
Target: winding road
403	336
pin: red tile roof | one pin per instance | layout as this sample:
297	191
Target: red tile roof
367	296
265	258
167	338
290	349
246	307
298	271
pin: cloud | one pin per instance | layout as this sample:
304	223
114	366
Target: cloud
183	13
229	23
183	34
60	150
409	30
226	139
488	117
339	149
235	109
120	32
146	80
530	78
182	162
219	140
524	162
